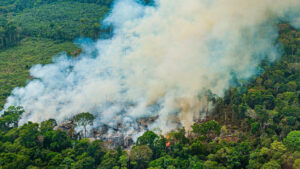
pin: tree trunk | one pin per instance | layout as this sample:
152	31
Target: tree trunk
225	117
84	131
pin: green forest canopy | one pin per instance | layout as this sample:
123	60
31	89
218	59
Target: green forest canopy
34	31
259	130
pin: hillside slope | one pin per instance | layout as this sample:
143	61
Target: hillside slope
33	32
254	126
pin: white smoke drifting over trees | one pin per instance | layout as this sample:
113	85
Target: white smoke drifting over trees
159	61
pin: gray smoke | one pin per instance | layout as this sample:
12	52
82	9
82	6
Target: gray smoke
159	62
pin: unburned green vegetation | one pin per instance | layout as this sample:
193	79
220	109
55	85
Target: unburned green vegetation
15	62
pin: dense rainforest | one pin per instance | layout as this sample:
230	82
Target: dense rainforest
255	125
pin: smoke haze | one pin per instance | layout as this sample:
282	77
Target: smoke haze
159	62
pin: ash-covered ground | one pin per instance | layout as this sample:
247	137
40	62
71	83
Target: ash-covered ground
122	134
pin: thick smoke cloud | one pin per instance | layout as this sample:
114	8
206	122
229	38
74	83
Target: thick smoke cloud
159	62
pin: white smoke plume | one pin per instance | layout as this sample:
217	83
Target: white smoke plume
159	62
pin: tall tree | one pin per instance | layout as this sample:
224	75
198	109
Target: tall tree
10	118
84	119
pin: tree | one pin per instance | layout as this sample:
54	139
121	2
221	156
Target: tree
278	149
141	155
96	150
59	141
2	37
195	163
178	136
47	125
56	160
10	118
269	102
212	165
271	165
208	129
259	157
197	148
28	134
110	160
296	164
292	86
254	127
123	161
66	163
84	119
254	97
293	140
149	138
163	162
84	163
11	160
81	146
228	156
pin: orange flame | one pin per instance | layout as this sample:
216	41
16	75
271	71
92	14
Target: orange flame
168	143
